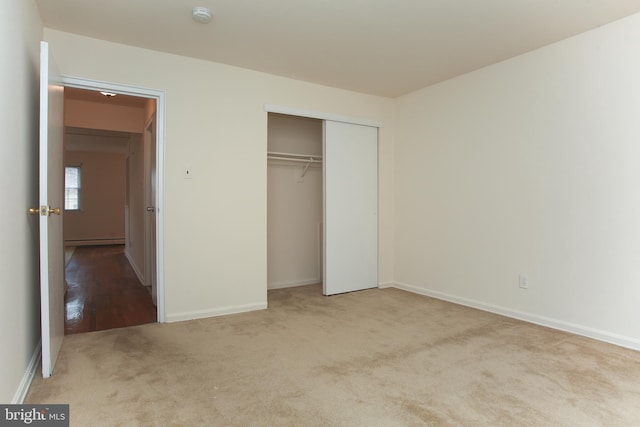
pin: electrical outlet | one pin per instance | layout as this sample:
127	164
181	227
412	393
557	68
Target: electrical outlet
523	282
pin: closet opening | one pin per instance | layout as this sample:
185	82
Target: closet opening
322	201
294	201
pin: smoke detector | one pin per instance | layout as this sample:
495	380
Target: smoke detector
201	14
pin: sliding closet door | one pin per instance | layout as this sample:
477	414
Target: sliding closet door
350	154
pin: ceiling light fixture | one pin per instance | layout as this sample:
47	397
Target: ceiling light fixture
201	14
108	94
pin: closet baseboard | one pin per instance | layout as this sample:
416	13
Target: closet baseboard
314	281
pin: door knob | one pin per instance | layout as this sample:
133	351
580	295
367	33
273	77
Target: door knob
44	211
151	209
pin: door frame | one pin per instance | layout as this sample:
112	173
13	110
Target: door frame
149	190
160	98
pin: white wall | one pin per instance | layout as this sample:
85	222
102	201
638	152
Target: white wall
294	204
529	166
215	223
20	32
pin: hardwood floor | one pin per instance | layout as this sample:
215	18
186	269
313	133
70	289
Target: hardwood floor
104	292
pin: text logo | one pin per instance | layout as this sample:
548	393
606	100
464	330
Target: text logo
34	415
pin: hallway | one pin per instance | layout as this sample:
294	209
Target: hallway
104	292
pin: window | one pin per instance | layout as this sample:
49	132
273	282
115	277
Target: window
72	188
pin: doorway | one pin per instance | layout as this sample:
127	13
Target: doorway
103	286
119	137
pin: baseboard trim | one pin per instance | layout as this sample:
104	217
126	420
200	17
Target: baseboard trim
314	281
384	285
573	328
200	314
134	267
94	242
27	378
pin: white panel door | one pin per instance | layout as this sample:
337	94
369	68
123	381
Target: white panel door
51	206
350	155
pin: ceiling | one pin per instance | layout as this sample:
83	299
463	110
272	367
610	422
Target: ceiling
381	47
96	96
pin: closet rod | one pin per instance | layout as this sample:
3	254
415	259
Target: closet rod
291	159
295	155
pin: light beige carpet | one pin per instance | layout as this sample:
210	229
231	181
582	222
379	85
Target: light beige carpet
371	358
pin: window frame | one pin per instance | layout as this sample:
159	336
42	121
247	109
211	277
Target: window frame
78	188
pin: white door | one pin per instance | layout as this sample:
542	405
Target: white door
350	155
50	210
150	218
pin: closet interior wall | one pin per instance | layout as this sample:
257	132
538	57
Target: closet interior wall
294	201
